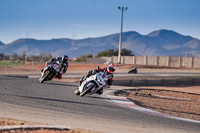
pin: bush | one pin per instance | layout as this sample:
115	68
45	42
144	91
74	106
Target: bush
112	52
42	57
82	58
10	63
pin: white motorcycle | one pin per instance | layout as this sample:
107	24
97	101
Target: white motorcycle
94	84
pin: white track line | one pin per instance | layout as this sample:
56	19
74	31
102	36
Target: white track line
34	127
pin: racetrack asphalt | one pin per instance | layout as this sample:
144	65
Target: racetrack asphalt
118	74
55	103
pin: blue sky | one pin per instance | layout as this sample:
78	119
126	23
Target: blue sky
77	19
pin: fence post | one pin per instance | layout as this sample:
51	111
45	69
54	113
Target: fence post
157	60
134	60
111	60
145	60
181	61
169	61
192	64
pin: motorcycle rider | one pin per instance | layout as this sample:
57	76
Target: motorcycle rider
62	62
109	71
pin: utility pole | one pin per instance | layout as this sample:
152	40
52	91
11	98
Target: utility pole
92	50
120	38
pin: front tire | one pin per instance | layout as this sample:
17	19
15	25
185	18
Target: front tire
46	74
87	90
77	91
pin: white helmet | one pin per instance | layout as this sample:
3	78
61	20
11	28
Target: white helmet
111	68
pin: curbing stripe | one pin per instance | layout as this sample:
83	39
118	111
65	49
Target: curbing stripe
34	127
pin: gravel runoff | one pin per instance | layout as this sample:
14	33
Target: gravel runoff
175	103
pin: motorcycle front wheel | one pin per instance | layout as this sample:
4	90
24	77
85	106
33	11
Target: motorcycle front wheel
46	74
77	91
86	90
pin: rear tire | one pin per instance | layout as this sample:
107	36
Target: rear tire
46	74
100	91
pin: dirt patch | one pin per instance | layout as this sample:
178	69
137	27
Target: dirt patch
85	67
10	122
176	103
32	69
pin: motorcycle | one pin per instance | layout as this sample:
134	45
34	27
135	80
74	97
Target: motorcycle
133	70
49	72
94	84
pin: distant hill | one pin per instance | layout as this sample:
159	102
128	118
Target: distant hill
1	44
158	43
34	47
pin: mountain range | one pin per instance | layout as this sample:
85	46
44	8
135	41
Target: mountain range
157	43
1	43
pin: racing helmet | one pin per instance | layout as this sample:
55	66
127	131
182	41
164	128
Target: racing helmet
111	68
64	59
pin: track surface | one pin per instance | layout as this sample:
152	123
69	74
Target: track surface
55	103
124	74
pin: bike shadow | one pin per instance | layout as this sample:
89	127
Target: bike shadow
62	101
97	97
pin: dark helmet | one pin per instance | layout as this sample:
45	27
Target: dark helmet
64	59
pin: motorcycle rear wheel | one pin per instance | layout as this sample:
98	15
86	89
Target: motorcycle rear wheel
100	91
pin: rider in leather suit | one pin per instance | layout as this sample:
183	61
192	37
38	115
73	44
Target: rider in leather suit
109	71
62	62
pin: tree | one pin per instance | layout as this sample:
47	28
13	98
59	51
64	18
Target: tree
45	57
83	57
126	52
89	56
1	56
112	52
14	57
